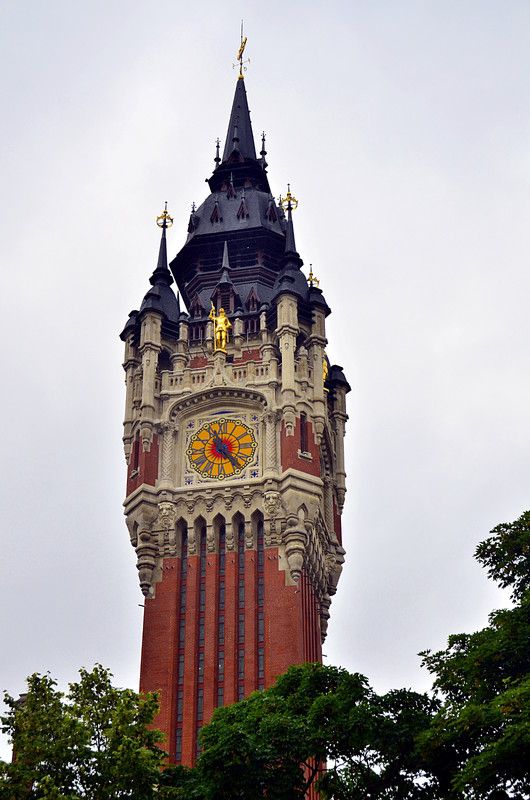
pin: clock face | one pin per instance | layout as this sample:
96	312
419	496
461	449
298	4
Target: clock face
221	449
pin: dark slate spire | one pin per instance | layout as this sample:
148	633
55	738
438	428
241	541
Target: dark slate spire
161	297
239	134
290	255
291	278
162	273
225	282
225	266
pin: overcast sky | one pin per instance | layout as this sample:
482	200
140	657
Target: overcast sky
404	129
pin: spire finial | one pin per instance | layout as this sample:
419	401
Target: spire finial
162	273
312	278
164	220
239	56
217	158
289	202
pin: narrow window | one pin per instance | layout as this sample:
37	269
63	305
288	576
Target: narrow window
303	433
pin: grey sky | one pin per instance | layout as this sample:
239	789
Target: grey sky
404	129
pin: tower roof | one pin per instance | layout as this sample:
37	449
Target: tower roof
291	278
239	137
160	296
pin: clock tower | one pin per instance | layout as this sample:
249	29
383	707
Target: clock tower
234	441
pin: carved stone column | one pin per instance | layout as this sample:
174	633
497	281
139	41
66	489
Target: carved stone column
271	450
168	430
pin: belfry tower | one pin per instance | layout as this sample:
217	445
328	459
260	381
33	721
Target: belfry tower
234	428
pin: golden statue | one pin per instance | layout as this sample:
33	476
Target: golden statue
325	372
221	326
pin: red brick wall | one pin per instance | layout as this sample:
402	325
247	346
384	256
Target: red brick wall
147	471
198	362
292	636
189	720
248	355
230	627
210	636
251	676
284	641
290	451
159	648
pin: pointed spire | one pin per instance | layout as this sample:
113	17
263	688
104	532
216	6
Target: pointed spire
289	203
230	192
194	219
290	278
225	266
263	152
162	273
160	297
239	126
217	158
243	212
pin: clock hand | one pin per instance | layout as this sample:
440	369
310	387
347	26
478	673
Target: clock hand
222	449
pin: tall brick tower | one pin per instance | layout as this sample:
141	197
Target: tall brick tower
234	428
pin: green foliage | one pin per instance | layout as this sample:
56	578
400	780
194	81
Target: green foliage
276	742
481	736
92	742
506	555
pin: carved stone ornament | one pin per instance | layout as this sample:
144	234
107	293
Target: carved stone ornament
167	515
330	564
146	552
272	503
210	539
295	544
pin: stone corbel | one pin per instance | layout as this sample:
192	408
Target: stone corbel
210	538
146	552
324	616
295	541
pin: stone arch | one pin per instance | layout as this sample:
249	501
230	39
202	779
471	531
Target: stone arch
201	401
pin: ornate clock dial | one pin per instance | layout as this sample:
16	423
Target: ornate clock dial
221	448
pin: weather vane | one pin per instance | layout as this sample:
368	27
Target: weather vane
239	56
164	220
289	201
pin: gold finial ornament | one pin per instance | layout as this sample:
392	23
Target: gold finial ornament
164	220
239	56
312	278
221	326
289	201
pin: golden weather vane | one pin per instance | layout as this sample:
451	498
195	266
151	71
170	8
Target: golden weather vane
239	56
164	220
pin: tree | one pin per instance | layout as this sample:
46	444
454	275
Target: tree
481	735
275	743
92	742
470	739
